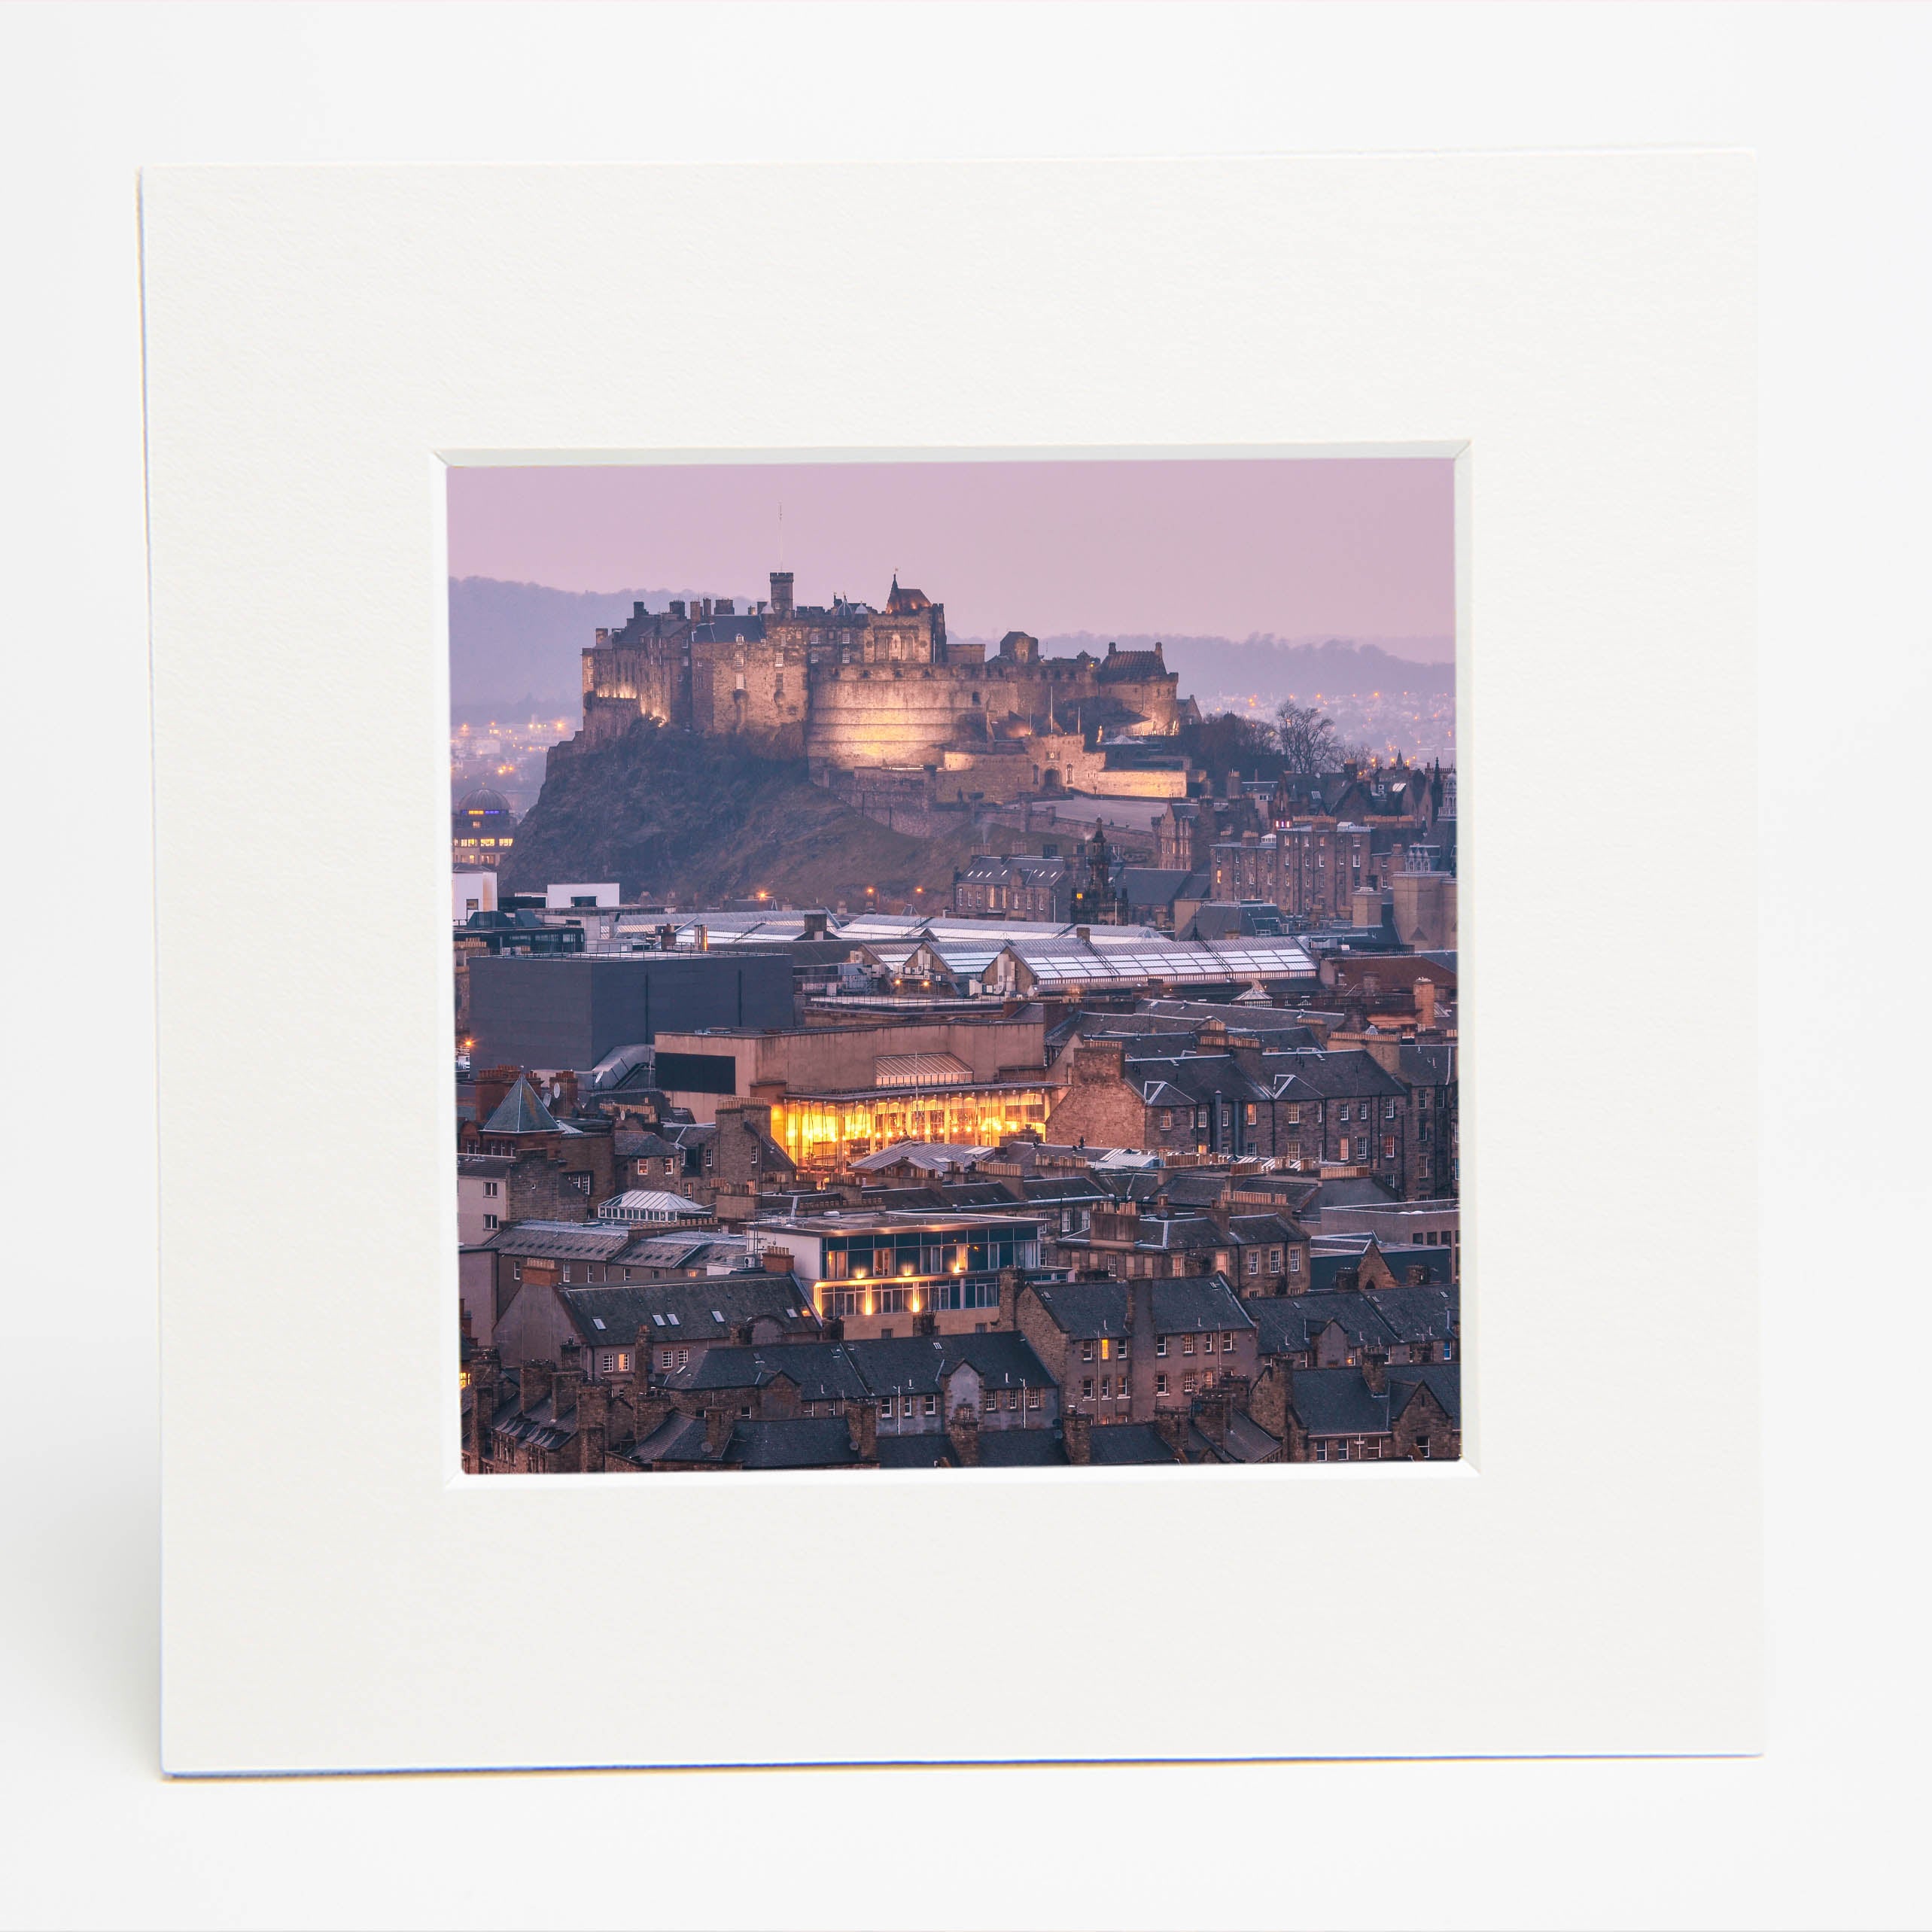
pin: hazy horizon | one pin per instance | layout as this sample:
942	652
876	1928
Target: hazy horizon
1297	550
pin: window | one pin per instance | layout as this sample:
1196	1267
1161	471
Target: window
1186	1385
1159	1385
1187	1345
1294	1113
1254	1260
1160	1344
932	1405
1106	1386
1274	1261
1345	1147
744	1411
1227	1345
886	1405
489	1220
1087	1389
1086	1350
567	1271
1032	1401
489	1190
664	1358
684	1358
989	1400
1389	1110
1343	1114
1422	1448
1168	1118
1388	1148
1295	1261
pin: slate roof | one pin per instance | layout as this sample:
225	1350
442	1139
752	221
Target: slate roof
1325	1268
1262	1228
1202	1076
1426	1065
1189	1304
802	1442
1118	1444
1343	1076
678	1438
1338	1401
974	1194
650	1248
494	1166
631	1145
1051	1189
1198	1303
1433	1313
920	1365
560	1240
1248	1441
1084	1309
1356	1190
824	1371
1020	1449
1118	666
706	1311
1401	1260
521	1112
1289	1323
1443	1379
1151	885
735	629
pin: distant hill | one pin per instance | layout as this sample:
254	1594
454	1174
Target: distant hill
1272	668
513	646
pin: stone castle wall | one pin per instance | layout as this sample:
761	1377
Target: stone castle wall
849	687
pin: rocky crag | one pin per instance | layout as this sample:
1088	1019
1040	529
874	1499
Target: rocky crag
693	821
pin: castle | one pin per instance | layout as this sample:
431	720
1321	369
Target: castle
852	688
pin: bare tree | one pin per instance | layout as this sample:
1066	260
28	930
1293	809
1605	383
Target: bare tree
1307	740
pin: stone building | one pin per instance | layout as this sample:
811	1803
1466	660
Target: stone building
482	831
850	686
1133	1351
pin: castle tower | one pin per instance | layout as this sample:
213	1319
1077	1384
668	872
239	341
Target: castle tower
781	594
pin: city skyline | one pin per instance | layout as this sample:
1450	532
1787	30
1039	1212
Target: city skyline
1313	547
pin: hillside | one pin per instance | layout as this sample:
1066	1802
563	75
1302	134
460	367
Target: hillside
515	647
691	821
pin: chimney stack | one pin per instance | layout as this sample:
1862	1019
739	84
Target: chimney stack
533	1381
1009	1299
781	593
1375	1371
1078	1431
777	1261
1425	1004
962	1431
717	1430
862	1426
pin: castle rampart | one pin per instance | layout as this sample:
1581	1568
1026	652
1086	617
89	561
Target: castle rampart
849	686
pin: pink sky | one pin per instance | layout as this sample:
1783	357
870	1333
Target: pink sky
1346	547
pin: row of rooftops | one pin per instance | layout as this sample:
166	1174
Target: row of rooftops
713	1315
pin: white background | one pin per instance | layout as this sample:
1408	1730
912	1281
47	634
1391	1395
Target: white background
1822	1830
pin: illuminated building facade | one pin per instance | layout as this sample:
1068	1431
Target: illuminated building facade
877	1273
825	1132
482	831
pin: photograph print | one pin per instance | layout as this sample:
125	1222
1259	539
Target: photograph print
955	963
